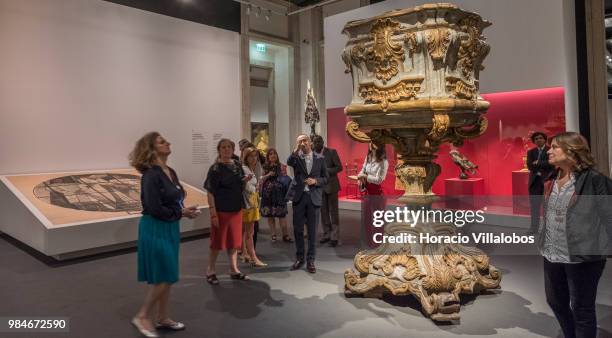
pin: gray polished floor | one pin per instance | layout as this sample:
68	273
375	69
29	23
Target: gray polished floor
100	295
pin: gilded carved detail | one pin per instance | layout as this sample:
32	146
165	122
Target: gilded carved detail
441	122
475	130
412	177
438	41
385	55
435	274
404	90
473	48
461	89
352	130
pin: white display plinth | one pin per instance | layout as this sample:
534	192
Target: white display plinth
21	218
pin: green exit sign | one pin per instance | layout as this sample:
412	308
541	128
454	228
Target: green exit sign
260	47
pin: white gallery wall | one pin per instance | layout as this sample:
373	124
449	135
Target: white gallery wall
533	45
82	80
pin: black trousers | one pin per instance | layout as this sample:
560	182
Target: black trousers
536	196
535	205
305	212
330	216
570	293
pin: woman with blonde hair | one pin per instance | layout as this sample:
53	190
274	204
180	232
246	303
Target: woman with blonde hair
225	183
572	236
250	213
162	197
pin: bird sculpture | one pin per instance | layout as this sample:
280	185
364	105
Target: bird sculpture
463	163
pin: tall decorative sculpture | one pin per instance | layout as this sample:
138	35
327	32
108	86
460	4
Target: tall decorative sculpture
311	114
415	85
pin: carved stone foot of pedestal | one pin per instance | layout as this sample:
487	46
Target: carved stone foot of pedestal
436	274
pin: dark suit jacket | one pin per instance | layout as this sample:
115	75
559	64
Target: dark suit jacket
300	173
536	183
334	166
588	219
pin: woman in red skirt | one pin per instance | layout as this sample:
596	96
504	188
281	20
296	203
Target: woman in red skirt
225	183
371	176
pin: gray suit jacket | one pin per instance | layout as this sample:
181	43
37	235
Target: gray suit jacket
334	166
300	173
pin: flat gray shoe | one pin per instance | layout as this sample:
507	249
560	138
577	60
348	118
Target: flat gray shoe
176	326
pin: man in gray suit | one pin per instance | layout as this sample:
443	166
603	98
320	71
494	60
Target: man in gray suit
329	208
310	175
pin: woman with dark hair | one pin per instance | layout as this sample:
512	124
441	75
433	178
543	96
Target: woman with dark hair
250	213
374	169
225	183
572	238
371	176
162	198
273	193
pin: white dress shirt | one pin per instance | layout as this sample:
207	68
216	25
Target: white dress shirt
375	171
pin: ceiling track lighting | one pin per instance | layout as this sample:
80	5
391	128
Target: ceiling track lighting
257	9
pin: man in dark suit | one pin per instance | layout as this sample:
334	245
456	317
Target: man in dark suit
539	170
329	208
310	175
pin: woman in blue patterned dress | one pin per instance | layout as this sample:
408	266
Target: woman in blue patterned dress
273	192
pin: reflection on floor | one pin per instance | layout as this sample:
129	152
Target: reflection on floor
100	295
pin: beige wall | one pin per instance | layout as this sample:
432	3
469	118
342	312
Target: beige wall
81	80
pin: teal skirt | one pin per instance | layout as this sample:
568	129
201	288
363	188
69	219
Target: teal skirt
158	250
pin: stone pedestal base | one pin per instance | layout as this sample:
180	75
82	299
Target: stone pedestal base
434	273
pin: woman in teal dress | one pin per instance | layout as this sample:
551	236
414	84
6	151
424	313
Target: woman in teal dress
162	198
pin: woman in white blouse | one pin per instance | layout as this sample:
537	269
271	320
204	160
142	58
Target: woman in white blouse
371	176
374	170
250	213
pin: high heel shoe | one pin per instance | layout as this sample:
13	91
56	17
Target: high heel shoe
245	259
259	264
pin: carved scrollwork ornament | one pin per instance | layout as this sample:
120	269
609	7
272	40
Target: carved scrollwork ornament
473	48
438	41
404	90
441	122
475	130
353	131
385	55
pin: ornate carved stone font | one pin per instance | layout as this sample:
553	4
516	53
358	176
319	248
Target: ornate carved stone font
415	85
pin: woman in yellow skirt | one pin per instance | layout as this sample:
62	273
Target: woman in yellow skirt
250	214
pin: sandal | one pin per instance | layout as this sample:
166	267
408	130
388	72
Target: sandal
259	264
212	279
239	276
273	238
287	239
